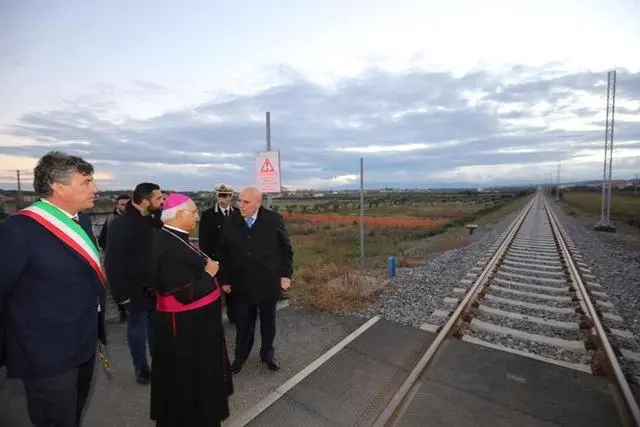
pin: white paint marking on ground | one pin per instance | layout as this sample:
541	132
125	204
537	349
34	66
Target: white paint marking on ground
252	413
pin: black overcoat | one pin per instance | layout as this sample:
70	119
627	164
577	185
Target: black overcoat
254	259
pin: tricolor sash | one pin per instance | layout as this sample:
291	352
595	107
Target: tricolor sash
67	230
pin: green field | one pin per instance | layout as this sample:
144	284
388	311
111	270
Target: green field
624	207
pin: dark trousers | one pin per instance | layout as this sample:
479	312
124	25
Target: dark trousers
230	303
139	336
246	315
58	401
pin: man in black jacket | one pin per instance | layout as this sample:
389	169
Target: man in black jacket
256	263
121	206
210	231
127	260
52	292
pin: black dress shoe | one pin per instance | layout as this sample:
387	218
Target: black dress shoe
143	375
235	368
271	364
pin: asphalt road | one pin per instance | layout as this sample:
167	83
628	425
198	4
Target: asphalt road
303	335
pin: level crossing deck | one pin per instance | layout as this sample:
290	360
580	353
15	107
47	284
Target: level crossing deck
467	385
342	370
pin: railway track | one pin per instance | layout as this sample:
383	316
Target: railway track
529	297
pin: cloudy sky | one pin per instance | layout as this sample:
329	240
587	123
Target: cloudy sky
429	93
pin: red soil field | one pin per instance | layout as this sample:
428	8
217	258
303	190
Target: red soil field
392	222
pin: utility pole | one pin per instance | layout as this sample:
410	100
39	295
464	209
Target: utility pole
19	201
635	184
558	184
361	212
268	119
604	224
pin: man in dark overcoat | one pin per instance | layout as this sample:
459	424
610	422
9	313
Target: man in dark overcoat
256	264
119	209
210	232
126	261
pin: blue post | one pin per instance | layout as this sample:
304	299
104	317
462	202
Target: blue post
391	266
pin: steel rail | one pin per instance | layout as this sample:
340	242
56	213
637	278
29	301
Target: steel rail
398	398
623	384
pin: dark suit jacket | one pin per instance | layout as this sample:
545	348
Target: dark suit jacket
102	237
253	260
210	230
127	258
50	295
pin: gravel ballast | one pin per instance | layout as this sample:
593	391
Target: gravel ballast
613	260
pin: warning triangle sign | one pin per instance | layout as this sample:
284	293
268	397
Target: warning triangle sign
267	167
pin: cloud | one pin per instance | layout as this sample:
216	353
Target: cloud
414	129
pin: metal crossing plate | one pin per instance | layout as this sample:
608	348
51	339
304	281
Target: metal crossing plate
352	387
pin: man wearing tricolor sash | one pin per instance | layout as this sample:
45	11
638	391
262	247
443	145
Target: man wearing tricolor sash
52	288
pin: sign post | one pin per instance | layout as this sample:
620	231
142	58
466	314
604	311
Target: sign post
361	211
268	172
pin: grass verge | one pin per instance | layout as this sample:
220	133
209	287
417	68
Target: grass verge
624	207
328	275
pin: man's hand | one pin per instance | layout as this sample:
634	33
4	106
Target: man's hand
285	283
212	267
226	288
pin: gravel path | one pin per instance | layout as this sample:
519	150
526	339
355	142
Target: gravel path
414	293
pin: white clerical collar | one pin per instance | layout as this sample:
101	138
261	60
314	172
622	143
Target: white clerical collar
176	229
63	211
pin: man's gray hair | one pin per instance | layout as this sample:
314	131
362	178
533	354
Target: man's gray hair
57	167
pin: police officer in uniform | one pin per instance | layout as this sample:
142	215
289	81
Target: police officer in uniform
210	230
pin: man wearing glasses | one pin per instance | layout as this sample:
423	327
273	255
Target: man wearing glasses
210	230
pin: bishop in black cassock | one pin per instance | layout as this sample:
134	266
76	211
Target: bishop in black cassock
191	379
